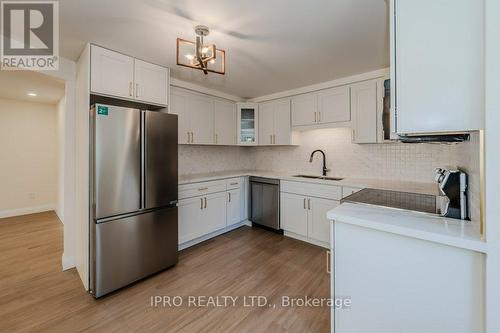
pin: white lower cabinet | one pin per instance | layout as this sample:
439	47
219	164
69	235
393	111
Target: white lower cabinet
214	211
402	284
190	218
318	225
294	213
206	208
233	207
306	217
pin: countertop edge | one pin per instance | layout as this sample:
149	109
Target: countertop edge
450	240
396	185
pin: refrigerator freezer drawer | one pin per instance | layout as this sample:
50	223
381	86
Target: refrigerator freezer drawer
131	248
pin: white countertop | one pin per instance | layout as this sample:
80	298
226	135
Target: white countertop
411	224
414	187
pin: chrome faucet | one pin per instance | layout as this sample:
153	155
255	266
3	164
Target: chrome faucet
325	170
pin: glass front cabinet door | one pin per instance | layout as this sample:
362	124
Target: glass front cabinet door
248	123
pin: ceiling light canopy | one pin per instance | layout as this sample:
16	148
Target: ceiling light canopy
197	55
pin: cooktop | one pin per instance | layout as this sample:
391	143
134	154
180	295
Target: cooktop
425	203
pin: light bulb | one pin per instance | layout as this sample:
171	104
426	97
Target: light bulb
189	56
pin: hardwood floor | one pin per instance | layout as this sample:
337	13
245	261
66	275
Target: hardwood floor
36	296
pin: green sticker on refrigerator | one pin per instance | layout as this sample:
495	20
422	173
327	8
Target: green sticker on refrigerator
102	110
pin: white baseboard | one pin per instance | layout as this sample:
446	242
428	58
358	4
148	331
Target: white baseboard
26	210
68	262
198	240
306	239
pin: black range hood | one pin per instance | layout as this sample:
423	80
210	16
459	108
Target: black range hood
450	138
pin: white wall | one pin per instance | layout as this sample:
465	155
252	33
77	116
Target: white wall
492	180
29	162
67	73
61	112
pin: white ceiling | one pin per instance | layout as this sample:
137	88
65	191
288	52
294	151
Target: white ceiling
271	45
17	84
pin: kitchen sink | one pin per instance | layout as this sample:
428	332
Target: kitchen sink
318	177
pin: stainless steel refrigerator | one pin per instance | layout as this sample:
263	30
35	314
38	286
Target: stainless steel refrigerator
133	195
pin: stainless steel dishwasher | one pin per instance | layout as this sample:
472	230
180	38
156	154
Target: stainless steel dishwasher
265	202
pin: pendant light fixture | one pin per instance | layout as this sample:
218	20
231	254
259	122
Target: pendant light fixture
201	56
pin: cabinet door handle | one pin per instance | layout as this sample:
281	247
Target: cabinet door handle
137	90
201	200
233	184
305	203
192	137
328	262
131	89
205	202
319	116
188	138
216	138
229	196
274	138
315	118
309	204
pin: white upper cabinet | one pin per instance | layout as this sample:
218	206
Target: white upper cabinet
111	73
151	82
266	123
365	114
274	122
225	123
326	106
179	106
118	75
304	109
437	65
248	123
203	119
282	129
201	111
333	105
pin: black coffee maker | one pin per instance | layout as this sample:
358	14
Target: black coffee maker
453	187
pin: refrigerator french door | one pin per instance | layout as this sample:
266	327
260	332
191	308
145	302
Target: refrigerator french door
133	195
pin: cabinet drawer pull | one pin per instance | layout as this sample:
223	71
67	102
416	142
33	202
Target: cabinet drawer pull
201	200
233	184
328	262
203	189
205	202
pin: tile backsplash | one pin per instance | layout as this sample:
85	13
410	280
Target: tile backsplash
391	161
